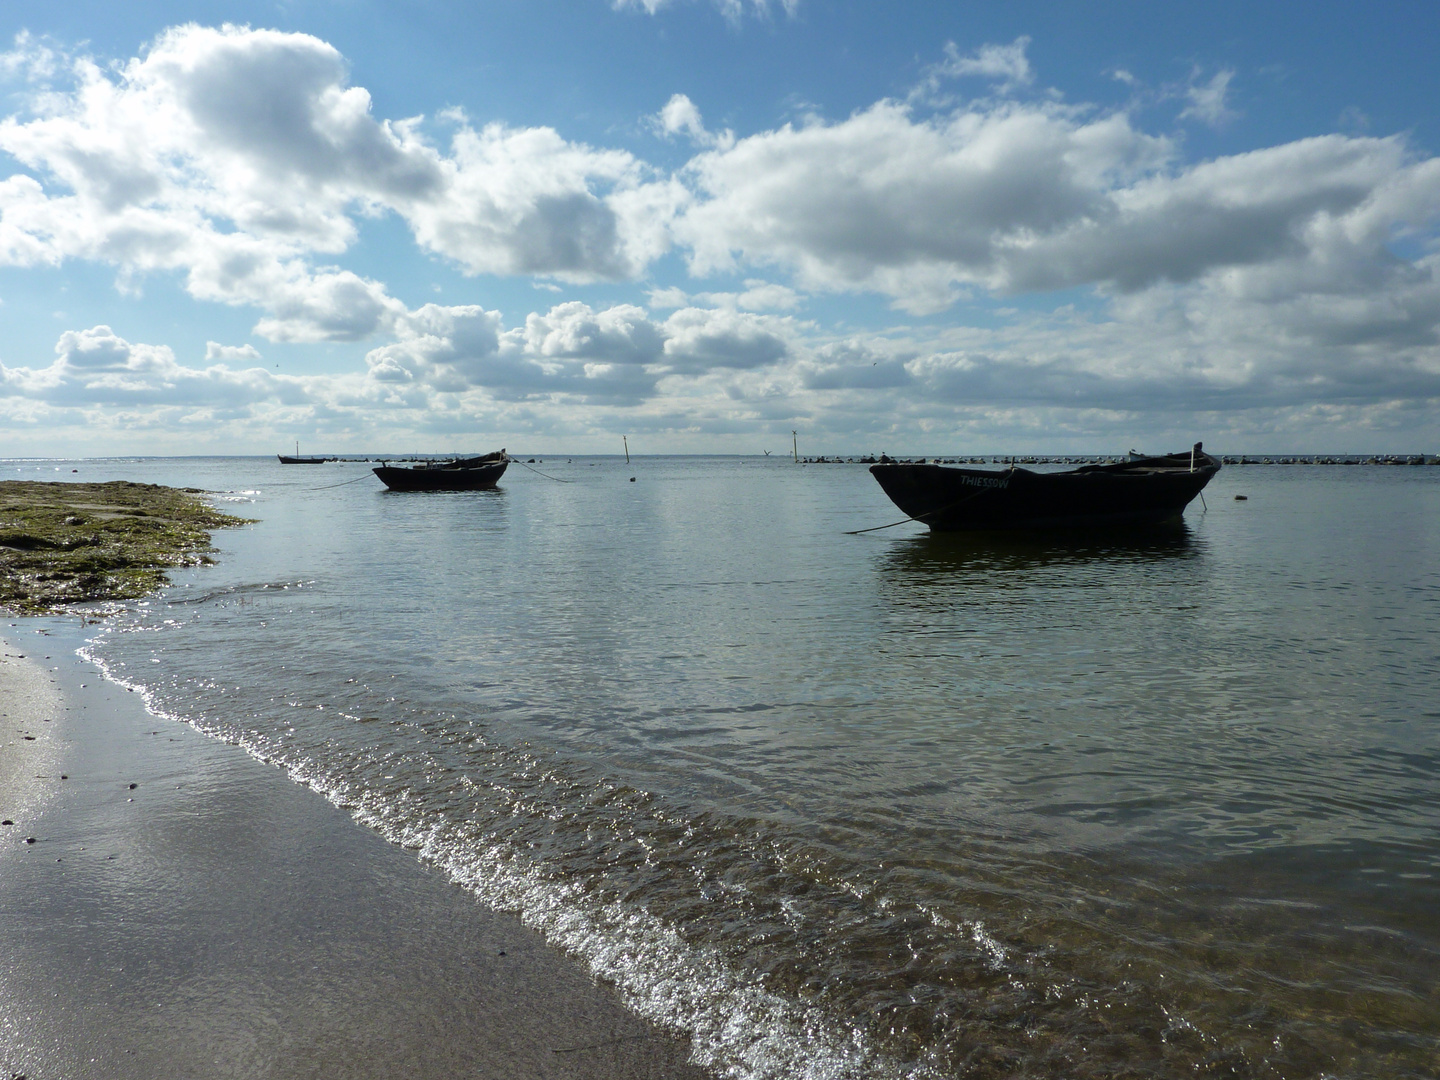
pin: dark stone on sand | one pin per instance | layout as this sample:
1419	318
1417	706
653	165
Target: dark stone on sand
7	821
134	786
28	738
30	840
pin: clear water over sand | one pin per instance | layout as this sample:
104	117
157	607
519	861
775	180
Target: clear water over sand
879	805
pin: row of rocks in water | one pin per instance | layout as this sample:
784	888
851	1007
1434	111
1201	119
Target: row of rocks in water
1227	459
1333	459
1008	459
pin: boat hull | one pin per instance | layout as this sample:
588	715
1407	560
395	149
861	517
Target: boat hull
1150	491
469	478
289	460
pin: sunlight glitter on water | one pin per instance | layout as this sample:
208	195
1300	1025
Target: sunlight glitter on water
875	806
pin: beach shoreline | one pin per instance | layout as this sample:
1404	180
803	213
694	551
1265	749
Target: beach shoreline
186	910
30	750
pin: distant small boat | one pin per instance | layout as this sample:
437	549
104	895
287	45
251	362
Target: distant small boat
457	474
296	459
1139	491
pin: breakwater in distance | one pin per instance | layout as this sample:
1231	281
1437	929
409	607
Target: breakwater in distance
1025	460
894	805
1108	459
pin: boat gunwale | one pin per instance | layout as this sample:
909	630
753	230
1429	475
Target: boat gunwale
479	473
1139	492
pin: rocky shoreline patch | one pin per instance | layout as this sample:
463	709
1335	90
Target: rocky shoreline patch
71	543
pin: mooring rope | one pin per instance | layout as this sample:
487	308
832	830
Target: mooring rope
357	479
877	528
919	517
546	475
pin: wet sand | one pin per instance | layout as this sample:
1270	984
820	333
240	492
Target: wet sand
186	911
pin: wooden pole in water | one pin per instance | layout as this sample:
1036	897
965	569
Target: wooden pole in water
795	446
626	441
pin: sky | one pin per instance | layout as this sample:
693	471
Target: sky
959	228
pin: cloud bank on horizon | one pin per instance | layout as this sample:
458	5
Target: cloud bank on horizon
1046	274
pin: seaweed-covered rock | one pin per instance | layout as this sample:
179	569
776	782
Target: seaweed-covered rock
64	544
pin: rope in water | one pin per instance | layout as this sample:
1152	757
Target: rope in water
919	517
546	475
357	479
877	528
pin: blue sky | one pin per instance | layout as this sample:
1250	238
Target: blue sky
910	227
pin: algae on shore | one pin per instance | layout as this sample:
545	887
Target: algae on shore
71	543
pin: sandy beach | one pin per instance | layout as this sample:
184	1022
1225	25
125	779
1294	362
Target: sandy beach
186	911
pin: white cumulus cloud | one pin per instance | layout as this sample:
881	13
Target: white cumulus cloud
98	367
1208	102
1298	282
1005	66
733	10
238	157
681	116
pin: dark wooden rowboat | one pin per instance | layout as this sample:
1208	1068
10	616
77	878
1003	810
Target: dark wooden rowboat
296	459
457	474
1141	491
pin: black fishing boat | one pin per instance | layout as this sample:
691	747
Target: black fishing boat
457	474
1140	491
296	459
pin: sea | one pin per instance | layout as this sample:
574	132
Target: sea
878	805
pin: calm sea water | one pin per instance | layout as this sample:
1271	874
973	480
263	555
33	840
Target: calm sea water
889	805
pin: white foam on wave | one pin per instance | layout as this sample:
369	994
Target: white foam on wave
736	1026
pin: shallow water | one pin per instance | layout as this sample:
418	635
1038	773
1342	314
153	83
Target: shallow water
883	805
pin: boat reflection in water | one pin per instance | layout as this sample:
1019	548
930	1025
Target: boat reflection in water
989	558
457	474
1024	587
